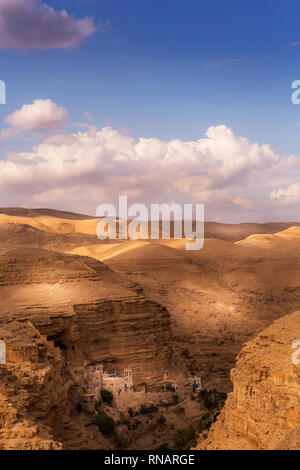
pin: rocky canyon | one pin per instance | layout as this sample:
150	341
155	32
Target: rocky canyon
228	313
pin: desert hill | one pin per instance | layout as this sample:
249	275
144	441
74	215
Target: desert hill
236	232
274	241
56	221
49	223
23	234
147	303
218	298
23	212
206	292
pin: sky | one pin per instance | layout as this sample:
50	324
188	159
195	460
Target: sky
185	101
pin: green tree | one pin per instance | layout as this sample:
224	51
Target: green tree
184	439
161	420
105	423
107	396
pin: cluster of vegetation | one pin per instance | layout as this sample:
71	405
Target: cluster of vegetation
184	439
107	396
175	399
98	405
212	399
169	388
120	442
79	408
105	423
148	409
161	420
152	427
206	421
164	446
143	384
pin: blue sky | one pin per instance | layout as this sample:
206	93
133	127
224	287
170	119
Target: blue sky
168	70
173	68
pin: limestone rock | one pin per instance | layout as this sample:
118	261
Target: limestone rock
263	412
58	311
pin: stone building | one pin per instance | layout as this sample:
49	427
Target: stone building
195	382
170	382
125	394
175	382
128	378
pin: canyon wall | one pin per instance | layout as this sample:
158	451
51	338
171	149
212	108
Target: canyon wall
57	312
263	411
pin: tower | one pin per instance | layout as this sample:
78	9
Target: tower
128	377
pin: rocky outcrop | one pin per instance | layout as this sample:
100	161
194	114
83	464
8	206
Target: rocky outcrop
29	236
263	412
134	332
57	312
36	401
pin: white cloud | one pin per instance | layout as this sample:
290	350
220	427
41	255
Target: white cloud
33	24
80	170
40	115
287	196
243	202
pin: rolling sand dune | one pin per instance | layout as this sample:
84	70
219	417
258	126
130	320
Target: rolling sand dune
236	232
53	224
218	297
21	234
22	212
270	240
54	221
106	251
292	233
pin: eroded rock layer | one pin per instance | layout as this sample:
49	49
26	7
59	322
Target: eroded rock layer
263	412
56	312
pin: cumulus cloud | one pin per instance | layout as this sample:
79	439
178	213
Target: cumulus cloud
88	167
33	24
287	196
243	202
40	115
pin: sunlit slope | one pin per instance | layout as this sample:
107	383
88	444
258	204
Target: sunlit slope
107	251
53	224
54	221
292	233
132	249
269	240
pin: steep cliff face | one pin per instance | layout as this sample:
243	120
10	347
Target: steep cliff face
134	332
37	405
56	312
263	412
